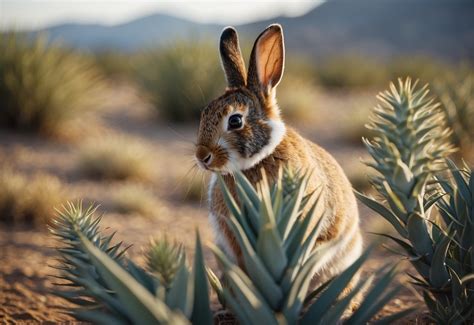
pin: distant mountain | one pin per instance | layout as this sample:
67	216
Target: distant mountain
153	30
378	28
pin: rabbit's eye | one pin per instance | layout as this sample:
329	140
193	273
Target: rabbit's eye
235	122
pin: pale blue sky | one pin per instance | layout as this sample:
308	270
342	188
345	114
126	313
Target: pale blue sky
40	13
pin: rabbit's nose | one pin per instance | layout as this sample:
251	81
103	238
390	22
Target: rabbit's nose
204	155
207	159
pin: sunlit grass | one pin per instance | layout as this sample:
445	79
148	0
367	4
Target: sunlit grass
181	79
134	198
29	200
115	158
44	87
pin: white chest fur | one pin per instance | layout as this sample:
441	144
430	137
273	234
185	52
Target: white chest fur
219	238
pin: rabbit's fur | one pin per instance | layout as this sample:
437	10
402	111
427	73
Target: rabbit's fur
264	141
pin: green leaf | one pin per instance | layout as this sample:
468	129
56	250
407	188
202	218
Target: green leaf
406	246
316	292
217	286
323	302
143	277
270	249
97	316
254	265
251	212
139	304
384	212
179	296
419	235
395	201
201	304
301	255
336	312
235	210
299	286
248	188
374	300
439	275
248	296
290	211
243	315
460	182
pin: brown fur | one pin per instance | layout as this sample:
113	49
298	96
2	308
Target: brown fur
299	153
253	98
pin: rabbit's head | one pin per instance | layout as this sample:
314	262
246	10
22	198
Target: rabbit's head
243	126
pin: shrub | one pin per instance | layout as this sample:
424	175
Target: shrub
115	158
115	65
181	79
457	97
43	86
134	198
423	67
28	200
350	71
359	72
409	149
354	120
298	98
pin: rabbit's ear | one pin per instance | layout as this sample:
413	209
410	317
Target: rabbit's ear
232	61
267	60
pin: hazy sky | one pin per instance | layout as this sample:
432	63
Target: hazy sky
40	13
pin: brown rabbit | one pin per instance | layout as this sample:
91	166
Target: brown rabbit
243	130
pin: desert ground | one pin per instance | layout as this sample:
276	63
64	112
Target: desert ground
26	253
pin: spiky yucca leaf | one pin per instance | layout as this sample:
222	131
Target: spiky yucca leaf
108	287
87	288
272	228
456	208
139	305
164	259
410	143
409	148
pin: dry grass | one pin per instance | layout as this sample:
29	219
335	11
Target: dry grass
354	120
193	188
181	79
44	87
29	200
298	99
115	158
134	198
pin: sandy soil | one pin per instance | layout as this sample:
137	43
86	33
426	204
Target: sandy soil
25	253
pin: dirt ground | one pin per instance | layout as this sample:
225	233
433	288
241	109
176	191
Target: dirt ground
26	254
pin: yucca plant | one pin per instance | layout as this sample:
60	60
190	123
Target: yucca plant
456	210
107	287
164	259
409	149
272	228
42	85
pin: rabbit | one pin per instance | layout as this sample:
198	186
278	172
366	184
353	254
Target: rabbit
242	130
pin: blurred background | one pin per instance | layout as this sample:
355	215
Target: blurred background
100	102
